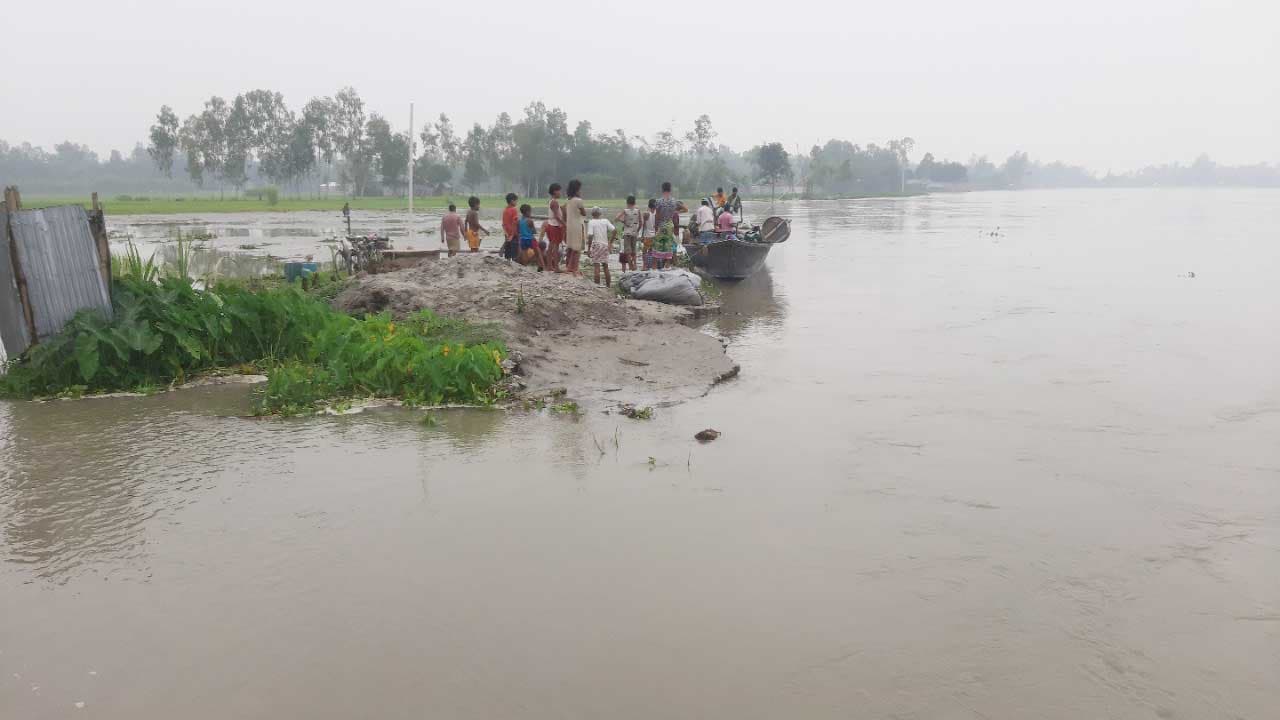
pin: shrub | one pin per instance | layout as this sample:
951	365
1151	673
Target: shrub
273	194
166	331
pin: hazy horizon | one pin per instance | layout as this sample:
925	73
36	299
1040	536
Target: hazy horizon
1103	85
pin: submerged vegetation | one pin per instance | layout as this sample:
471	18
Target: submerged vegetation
166	330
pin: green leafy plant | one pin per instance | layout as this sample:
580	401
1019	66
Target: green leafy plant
165	331
132	267
566	408
185	252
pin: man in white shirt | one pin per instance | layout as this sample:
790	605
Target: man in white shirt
706	220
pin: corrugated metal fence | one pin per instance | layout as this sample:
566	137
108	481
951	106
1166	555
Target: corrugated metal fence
50	268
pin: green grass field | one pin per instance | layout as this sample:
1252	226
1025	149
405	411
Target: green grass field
156	205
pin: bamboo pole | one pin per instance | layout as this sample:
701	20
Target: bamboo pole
98	226
13	203
410	243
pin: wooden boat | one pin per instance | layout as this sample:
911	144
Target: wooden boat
742	256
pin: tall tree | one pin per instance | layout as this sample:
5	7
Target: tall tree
348	124
448	142
164	140
300	153
772	163
538	141
667	143
702	137
269	130
189	141
391	151
203	139
239	139
902	150
474	150
1015	169
924	170
319	115
500	147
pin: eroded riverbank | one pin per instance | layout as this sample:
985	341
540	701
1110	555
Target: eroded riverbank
570	334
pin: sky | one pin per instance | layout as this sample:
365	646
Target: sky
1112	85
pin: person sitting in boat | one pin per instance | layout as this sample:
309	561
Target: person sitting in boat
726	226
705	219
719	198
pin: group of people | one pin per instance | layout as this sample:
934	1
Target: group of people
647	235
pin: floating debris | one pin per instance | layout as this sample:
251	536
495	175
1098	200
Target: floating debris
636	413
706	436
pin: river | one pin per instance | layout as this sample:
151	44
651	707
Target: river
1028	474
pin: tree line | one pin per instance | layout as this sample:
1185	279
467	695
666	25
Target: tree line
334	143
334	139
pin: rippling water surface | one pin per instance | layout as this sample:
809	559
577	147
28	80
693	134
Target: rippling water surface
963	475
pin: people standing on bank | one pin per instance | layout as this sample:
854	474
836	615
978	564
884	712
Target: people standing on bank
451	230
575	226
474	228
511	228
554	228
719	198
600	231
530	252
664	245
648	229
669	210
630	219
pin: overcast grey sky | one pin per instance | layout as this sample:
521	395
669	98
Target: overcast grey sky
1111	84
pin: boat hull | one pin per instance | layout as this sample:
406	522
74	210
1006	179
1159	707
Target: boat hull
729	259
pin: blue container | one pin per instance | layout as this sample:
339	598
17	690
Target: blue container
295	270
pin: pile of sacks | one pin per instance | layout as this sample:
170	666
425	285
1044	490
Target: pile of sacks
674	287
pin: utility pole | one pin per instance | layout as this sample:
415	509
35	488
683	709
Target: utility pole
410	174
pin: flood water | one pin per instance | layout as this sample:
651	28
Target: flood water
283	235
1030	475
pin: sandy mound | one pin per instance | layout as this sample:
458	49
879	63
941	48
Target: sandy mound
569	333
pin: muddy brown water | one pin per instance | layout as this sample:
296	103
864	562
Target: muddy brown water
1032	475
